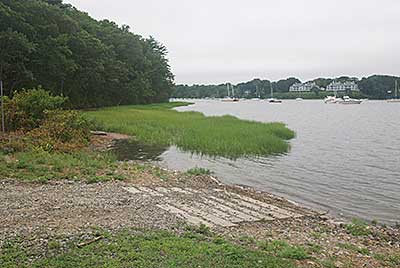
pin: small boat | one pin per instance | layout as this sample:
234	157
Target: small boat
299	99
396	94
348	100
272	99
332	100
230	100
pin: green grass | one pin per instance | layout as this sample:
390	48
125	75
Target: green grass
354	248
358	228
283	250
225	136
198	171
149	249
40	166
391	260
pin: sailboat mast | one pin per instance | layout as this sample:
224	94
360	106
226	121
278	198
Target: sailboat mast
272	91
257	92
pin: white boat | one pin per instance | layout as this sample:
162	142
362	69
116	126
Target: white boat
396	94
348	100
332	100
299	99
230	100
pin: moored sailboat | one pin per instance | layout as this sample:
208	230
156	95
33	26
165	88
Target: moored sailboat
396	93
272	99
230	98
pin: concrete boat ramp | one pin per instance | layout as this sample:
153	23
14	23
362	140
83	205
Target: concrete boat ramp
212	207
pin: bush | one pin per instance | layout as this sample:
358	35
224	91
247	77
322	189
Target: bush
27	108
62	131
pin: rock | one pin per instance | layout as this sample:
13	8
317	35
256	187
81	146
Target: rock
98	133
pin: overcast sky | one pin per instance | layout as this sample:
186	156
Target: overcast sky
215	41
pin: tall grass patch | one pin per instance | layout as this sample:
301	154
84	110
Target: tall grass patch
225	136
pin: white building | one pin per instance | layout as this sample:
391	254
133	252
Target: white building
303	87
346	86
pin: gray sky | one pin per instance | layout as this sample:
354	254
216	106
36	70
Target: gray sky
214	41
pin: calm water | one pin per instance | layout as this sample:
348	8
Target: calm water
345	158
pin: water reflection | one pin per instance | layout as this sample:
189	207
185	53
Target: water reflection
126	150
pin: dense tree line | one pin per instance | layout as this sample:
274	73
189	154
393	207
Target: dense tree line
93	63
374	87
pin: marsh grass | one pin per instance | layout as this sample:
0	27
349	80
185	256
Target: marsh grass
225	136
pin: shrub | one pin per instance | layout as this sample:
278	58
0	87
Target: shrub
27	108
62	131
13	142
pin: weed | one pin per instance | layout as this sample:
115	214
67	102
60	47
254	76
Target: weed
392	260
201	229
316	235
198	171
314	248
247	240
328	264
354	248
284	250
358	228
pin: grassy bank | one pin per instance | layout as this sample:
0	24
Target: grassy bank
37	165
148	249
225	136
195	247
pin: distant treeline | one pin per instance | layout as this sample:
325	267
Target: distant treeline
376	87
64	50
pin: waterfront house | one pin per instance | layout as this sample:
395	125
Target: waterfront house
303	87
343	86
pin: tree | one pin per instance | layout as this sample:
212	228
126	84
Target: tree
15	49
94	63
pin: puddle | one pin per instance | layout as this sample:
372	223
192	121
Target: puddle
126	150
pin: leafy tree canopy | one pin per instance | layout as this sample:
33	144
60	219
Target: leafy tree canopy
93	63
